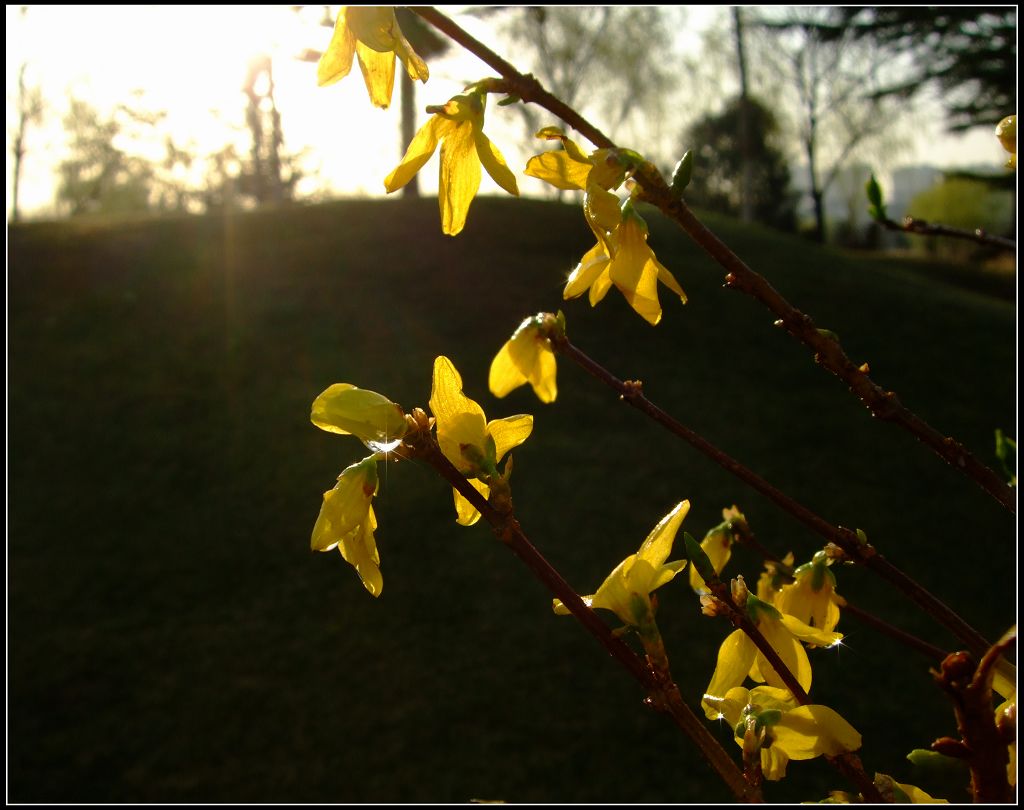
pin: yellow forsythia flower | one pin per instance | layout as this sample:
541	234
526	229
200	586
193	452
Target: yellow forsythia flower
459	125
570	168
372	34
629	264
471	443
901	793
812	596
526	357
790	731
621	256
1006	131
771	580
739	658
1004	683
346	521
627	589
374	419
717	544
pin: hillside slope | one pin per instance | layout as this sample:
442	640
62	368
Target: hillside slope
172	638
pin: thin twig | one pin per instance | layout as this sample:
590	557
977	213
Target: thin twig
421	445
828	353
922	227
855	548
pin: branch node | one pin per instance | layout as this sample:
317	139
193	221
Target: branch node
632	389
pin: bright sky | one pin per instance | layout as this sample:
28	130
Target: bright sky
191	61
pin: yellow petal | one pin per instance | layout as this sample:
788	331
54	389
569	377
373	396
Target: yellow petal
559	169
505	375
735	657
666	573
419	152
608	171
731	706
658	544
336	61
460	420
773	763
1004	679
374	26
542	377
494	163
345	409
812	635
526	357
601	285
918	796
614	593
414	65
593	263
460	177
360	550
378	73
666	278
790	651
634	272
346	506
810	731
601	208
467	514
509	432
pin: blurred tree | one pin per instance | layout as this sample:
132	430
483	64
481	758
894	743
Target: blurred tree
833	82
746	144
29	110
99	176
270	173
607	62
719	159
29	106
968	52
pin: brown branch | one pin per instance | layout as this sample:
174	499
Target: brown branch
422	445
746	536
902	636
856	549
982	745
828	353
922	227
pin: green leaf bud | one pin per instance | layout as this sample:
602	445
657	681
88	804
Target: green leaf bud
682	174
699	559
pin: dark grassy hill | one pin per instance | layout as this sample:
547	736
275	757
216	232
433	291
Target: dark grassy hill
171	638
